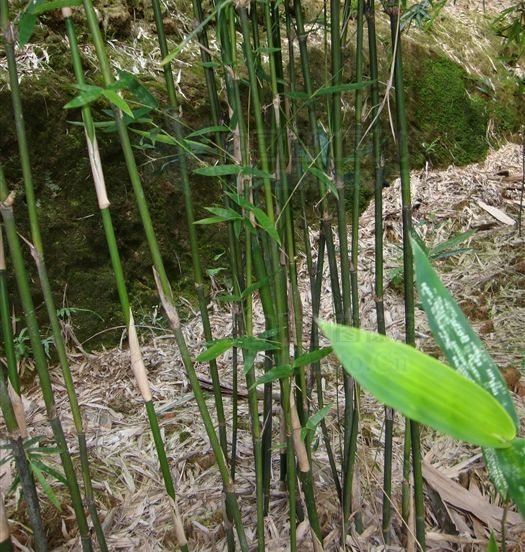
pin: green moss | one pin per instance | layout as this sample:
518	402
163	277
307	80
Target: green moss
448	123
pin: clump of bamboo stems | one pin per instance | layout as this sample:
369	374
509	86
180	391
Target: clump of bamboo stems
265	195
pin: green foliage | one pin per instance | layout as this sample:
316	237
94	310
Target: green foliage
445	114
421	387
41	470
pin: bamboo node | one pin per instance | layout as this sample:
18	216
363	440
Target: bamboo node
9	200
10	34
242	4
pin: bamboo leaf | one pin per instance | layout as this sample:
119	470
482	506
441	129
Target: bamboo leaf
314	356
215	350
455	336
512	462
49	470
266	224
117	101
277	373
219	170
45	486
54	5
88	94
323	177
421	387
493	545
315	419
143	95
208	130
343	87
253	343
25	27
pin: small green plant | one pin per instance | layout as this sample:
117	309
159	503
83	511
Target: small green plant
36	454
443	250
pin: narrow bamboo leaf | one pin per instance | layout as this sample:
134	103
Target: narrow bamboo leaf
54	5
455	335
25	27
49	470
452	242
88	94
211	220
224	214
156	135
314	356
208	130
297	95
117	101
254	287
215	349
315	419
512	462
343	87
253	343
277	373
45	486
249	356
143	95
493	544
421	387
266	224
323	177
228	298
219	170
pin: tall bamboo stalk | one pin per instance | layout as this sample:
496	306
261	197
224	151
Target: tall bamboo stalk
6	209
280	321
161	277
38	254
378	256
350	461
194	244
136	355
393	11
16	430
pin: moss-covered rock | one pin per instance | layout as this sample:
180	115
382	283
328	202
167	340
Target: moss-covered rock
449	124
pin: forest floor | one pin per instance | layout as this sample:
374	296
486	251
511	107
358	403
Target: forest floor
486	276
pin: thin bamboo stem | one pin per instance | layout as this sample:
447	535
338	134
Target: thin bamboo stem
103	202
393	11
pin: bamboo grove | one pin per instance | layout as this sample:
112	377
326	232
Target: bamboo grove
280	149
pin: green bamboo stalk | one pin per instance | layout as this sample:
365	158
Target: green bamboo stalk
6	210
350	463
104	204
393	11
37	252
297	411
242	311
318	158
15	424
337	148
280	290
161	277
378	247
222	465
194	244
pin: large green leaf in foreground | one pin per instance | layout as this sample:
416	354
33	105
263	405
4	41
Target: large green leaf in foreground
421	387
